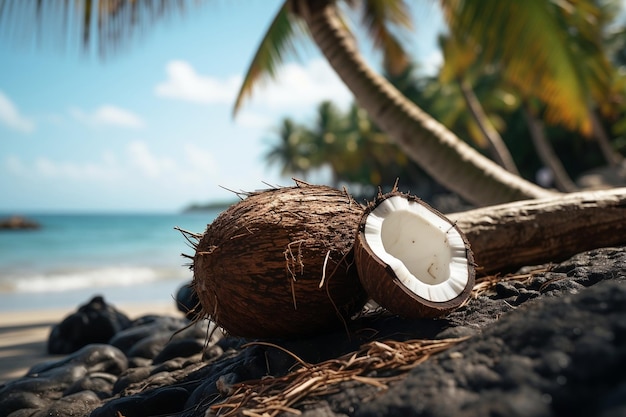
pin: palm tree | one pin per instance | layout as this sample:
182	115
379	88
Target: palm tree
611	103
461	64
459	57
293	152
438	151
328	137
502	29
545	151
492	24
576	42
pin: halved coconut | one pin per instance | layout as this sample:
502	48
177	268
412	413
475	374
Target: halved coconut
280	263
411	259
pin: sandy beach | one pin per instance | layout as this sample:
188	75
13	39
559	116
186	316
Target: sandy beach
24	334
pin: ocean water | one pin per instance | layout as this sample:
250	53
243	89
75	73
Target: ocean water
124	257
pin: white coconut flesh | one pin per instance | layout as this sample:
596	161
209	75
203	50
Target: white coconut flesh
426	253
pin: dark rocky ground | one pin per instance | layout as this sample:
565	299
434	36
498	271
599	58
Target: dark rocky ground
551	342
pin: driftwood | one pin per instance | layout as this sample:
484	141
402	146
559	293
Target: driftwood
533	232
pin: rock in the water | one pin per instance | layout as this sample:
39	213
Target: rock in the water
94	322
18	223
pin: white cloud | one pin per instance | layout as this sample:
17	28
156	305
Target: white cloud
250	119
431	64
105	169
14	165
296	87
303	87
200	161
149	164
11	117
108	115
184	83
134	162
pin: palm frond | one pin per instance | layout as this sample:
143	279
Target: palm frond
559	38
276	43
103	26
458	57
382	18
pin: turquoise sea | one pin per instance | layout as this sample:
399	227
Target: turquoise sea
124	257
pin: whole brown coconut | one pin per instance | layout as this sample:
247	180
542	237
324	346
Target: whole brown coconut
279	263
411	259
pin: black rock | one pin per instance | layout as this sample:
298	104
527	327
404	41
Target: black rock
94	322
50	381
557	357
188	302
145	331
99	383
14	400
94	358
550	344
152	403
179	348
131	376
77	404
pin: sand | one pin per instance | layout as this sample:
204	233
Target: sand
24	334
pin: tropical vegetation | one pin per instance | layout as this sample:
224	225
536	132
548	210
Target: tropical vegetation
532	67
491	87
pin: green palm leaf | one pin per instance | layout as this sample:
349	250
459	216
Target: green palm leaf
277	42
104	25
381	18
561	60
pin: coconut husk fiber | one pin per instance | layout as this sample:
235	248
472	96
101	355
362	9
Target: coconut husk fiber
280	263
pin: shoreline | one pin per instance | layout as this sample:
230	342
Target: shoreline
158	291
24	334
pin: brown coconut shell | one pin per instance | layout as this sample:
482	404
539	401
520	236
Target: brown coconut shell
384	287
279	263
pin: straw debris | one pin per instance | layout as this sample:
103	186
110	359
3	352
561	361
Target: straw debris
376	363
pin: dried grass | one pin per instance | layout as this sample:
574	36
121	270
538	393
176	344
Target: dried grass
376	363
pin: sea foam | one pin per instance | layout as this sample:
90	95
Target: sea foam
90	278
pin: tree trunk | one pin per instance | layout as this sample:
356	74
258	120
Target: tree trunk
535	232
613	158
497	148
546	154
449	160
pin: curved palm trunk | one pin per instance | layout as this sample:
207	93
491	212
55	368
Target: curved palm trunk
546	153
498	149
450	161
613	158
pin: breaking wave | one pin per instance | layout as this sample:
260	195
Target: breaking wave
59	281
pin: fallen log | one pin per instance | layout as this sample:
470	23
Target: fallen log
532	232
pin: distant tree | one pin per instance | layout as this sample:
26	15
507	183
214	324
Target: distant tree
293	151
527	37
349	145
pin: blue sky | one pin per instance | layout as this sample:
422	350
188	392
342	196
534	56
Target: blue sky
150	128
